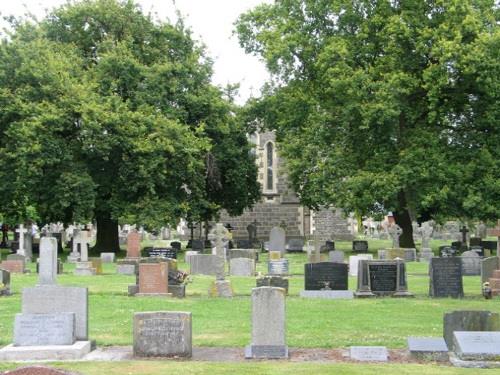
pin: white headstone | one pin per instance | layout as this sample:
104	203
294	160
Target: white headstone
277	240
21	230
48	261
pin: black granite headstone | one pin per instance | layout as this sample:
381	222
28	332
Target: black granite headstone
360	246
446	277
490	245
383	277
244	244
325	275
198	245
161	252
176	245
475	241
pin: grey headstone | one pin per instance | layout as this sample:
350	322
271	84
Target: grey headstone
126	269
471	263
108	257
242	267
369	353
428	348
163	334
336	256
275	281
477	345
48	261
188	255
242	253
206	264
277	240
48	299
5	281
468	321
44	329
354	262
295	245
268	324
489	265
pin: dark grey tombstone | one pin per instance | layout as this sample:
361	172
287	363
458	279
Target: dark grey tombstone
325	275
490	245
468	321
360	246
198	245
244	244
274	281
445	277
176	245
382	278
295	245
329	246
475	241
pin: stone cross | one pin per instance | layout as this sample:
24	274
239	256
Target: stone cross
395	231
48	261
84	241
220	236
426	231
252	231
21	230
496	232
464	232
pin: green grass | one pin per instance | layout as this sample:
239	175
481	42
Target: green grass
256	368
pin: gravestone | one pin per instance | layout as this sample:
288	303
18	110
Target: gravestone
428	348
477	346
188	255
475	241
277	240
329	246
252	232
359	246
153	279
97	265
488	265
198	245
242	253
163	334
48	261
84	267
60	266
369	353
4	283
278	267
21	231
244	244
133	245
274	255
325	276
336	256
219	236
268	324
127	267
161	252
496	233
354	261
44	329
382	278
391	254
242	267
176	245
295	245
274	281
206	264
468	321
446	277
13	266
108	257
395	232
471	263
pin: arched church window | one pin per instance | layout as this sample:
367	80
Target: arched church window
270	162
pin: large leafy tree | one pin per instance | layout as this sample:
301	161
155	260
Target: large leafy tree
384	105
106	113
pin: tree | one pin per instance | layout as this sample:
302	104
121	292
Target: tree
384	105
106	113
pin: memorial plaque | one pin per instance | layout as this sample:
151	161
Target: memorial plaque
163	334
369	353
482	346
44	329
278	267
325	275
383	277
360	246
162	252
446	277
153	278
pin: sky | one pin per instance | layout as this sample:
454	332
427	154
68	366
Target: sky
211	22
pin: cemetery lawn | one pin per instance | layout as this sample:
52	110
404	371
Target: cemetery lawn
254	368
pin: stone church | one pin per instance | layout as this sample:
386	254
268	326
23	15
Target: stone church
280	206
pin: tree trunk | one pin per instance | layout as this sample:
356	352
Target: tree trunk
107	234
403	219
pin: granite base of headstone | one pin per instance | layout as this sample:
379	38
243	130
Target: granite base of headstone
268	324
73	257
464	320
20	257
221	288
4	283
273	281
369	353
360	246
84	269
163	334
428	348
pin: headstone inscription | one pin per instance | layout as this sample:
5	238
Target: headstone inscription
359	246
44	329
268	324
163	334
464	320
278	267
382	278
446	277
277	240
161	252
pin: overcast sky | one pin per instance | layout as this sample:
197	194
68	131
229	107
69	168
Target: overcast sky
211	21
